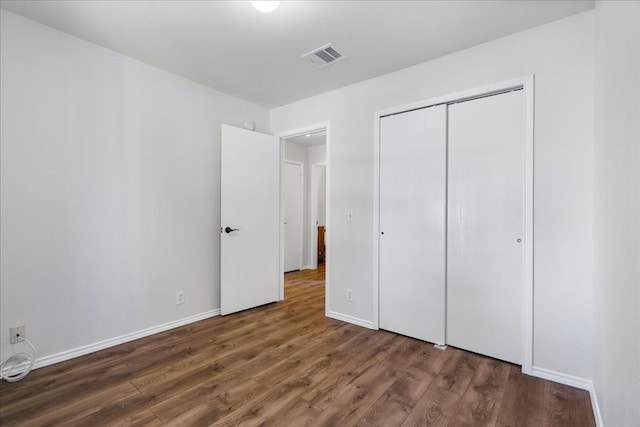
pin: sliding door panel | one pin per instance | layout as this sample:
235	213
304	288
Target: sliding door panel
412	223
486	225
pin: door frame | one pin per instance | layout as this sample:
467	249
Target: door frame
293	162
526	83
313	209
323	126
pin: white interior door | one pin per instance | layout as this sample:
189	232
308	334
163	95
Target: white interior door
412	223
293	214
250	219
486	225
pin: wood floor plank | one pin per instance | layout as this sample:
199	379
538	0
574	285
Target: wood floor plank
286	364
168	388
242	394
301	361
410	352
388	410
212	409
361	393
80	408
49	399
143	418
365	423
297	413
436	407
523	400
431	362
371	346
189	374
233	371
329	417
395	405
417	363
566	406
481	401
199	415
266	406
458	370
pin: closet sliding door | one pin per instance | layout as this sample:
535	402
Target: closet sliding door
412	223
485	225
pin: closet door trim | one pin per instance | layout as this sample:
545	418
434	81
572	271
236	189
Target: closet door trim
526	83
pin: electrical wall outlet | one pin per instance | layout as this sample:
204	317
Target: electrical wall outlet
349	294
179	297
16	333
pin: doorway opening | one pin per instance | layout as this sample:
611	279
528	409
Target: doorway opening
305	240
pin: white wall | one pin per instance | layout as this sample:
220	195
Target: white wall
617	213
318	154
296	152
110	190
560	55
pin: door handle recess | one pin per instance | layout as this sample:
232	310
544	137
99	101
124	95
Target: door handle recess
228	229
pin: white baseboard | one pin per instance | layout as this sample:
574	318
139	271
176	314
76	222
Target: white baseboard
572	381
350	319
561	378
101	345
596	407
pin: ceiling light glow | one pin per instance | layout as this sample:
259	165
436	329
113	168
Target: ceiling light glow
265	6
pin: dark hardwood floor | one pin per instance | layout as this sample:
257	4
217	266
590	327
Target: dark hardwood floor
287	364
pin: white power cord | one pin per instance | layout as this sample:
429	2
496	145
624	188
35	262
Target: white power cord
19	365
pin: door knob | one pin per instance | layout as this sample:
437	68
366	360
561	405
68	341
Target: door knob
228	229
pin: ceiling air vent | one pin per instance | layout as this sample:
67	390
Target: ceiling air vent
326	55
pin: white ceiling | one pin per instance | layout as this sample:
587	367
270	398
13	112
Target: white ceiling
232	47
